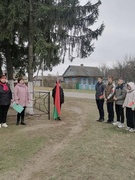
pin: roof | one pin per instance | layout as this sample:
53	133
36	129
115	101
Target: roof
83	71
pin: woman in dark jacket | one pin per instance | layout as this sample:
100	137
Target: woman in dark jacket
61	96
5	100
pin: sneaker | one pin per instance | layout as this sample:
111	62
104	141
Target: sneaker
120	125
116	123
101	120
4	125
128	128
131	130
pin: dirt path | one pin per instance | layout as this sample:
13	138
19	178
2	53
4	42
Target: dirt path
80	95
45	158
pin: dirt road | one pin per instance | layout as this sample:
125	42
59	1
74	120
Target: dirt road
76	148
80	95
62	133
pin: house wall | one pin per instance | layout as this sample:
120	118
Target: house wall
82	82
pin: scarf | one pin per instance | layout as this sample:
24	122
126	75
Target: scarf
120	87
4	85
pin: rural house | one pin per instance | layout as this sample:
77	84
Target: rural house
82	77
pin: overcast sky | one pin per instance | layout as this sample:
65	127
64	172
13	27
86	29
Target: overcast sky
117	40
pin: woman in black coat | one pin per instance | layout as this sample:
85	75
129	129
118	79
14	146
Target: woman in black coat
5	100
61	96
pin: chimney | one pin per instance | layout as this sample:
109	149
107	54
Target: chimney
81	65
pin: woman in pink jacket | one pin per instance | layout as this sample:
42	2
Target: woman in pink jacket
21	96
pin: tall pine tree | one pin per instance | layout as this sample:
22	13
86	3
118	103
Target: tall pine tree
57	27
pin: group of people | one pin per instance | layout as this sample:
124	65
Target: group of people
20	96
123	96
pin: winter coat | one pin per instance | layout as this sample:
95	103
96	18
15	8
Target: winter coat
5	95
61	94
21	94
130	96
109	92
99	90
120	94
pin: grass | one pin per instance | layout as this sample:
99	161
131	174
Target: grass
78	148
100	151
16	148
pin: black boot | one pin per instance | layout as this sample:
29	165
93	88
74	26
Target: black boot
59	119
22	122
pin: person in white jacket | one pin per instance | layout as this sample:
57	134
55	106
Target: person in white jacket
129	104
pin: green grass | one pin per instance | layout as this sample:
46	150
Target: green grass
78	148
16	148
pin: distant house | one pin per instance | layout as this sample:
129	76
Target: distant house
83	77
46	81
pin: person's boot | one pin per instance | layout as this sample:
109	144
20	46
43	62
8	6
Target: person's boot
59	119
22	122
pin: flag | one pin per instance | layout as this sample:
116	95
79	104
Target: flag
101	97
131	104
56	110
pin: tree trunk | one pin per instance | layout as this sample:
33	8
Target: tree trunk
30	58
9	67
0	64
30	43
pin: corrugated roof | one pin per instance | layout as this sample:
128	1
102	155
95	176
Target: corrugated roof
81	71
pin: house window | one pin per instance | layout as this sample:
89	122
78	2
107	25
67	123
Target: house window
66	80
74	80
94	80
87	81
81	80
90	80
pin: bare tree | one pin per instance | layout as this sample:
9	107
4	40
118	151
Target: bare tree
104	69
125	69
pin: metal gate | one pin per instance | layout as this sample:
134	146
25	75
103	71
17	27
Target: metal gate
42	102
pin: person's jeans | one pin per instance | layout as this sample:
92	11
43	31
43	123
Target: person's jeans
100	104
110	111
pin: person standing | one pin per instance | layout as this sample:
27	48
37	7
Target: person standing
58	99
21	97
5	100
100	98
129	104
119	97
109	94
